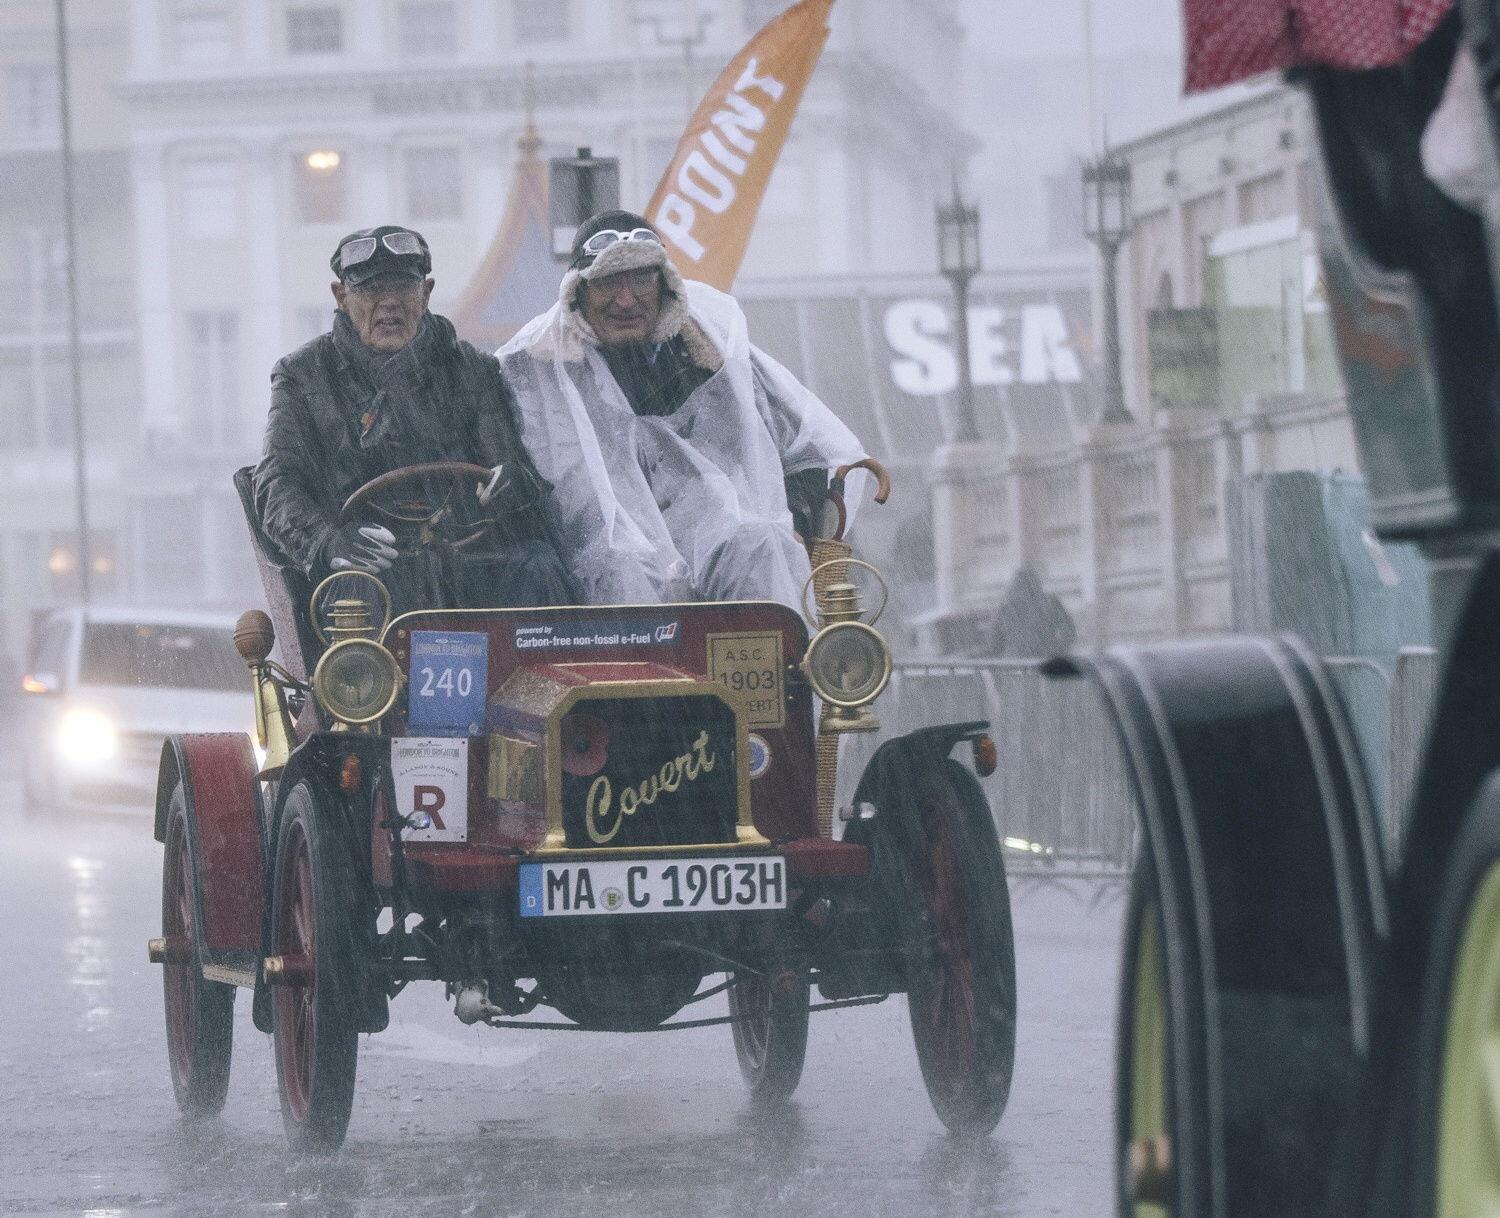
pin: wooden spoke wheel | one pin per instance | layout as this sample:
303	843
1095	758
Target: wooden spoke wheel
961	967
199	1013
314	1005
770	1037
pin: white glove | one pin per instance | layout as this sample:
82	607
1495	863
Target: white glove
491	488
370	548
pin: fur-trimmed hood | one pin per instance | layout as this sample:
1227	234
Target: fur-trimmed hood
674	319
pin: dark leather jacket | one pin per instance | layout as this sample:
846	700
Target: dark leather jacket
321	443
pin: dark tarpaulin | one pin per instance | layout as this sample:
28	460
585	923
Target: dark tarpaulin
1229	40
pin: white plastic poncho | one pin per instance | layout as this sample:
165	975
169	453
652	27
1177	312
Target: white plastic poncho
690	506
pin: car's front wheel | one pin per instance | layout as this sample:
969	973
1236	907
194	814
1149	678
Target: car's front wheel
315	1003
960	953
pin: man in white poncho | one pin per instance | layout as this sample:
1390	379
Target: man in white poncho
685	462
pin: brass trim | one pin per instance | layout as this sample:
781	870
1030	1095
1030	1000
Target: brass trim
312	601
674	687
755	844
840	627
225	975
319	681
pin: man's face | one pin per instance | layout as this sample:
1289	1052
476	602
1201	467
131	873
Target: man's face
386	311
623	308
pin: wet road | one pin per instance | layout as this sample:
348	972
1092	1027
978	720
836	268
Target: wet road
455	1120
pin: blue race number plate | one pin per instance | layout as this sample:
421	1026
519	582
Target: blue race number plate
446	693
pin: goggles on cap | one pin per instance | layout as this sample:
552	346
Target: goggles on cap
607	237
362	249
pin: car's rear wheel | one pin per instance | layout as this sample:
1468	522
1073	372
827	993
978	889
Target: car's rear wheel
199	1013
316	1001
961	968
770	1033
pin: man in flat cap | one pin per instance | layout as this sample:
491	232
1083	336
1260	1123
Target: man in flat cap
392	386
685	461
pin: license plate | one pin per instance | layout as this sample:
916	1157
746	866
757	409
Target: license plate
655	886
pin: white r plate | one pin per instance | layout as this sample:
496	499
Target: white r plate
655	886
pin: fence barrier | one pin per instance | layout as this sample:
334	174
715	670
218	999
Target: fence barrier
1061	794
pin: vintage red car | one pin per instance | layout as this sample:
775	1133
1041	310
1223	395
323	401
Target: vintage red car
596	810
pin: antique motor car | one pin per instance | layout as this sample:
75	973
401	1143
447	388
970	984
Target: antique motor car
598	810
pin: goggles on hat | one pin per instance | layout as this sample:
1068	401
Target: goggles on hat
362	249
607	237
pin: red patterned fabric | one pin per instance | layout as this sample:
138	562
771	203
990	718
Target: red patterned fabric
1228	40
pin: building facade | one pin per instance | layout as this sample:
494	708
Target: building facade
260	131
1229	369
39	550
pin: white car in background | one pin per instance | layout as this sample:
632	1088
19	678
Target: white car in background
105	687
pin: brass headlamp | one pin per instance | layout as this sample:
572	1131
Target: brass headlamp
848	661
356	680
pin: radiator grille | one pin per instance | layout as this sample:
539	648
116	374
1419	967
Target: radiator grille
649	772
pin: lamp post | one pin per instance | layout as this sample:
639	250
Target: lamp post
1107	223
75	354
958	260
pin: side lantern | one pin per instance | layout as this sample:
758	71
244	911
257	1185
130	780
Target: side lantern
848	661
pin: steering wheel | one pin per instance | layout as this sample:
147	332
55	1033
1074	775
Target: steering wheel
405	498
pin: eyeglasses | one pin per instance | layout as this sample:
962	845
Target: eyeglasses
607	237
362	249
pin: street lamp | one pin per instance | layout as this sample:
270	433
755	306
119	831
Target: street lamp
958	260
1107	222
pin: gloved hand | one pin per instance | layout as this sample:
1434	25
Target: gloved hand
370	548
497	483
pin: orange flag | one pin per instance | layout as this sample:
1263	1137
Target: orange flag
705	204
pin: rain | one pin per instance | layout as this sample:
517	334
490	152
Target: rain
531	523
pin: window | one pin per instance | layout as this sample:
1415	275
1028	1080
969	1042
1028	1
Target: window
213	359
201	34
434	184
158	655
42	256
208	189
168	544
62	563
540	20
314	31
321	185
427	28
31	100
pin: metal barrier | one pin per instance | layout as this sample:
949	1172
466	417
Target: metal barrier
1060	795
1389	708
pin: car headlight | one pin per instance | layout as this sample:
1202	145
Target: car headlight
848	664
87	737
356	681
